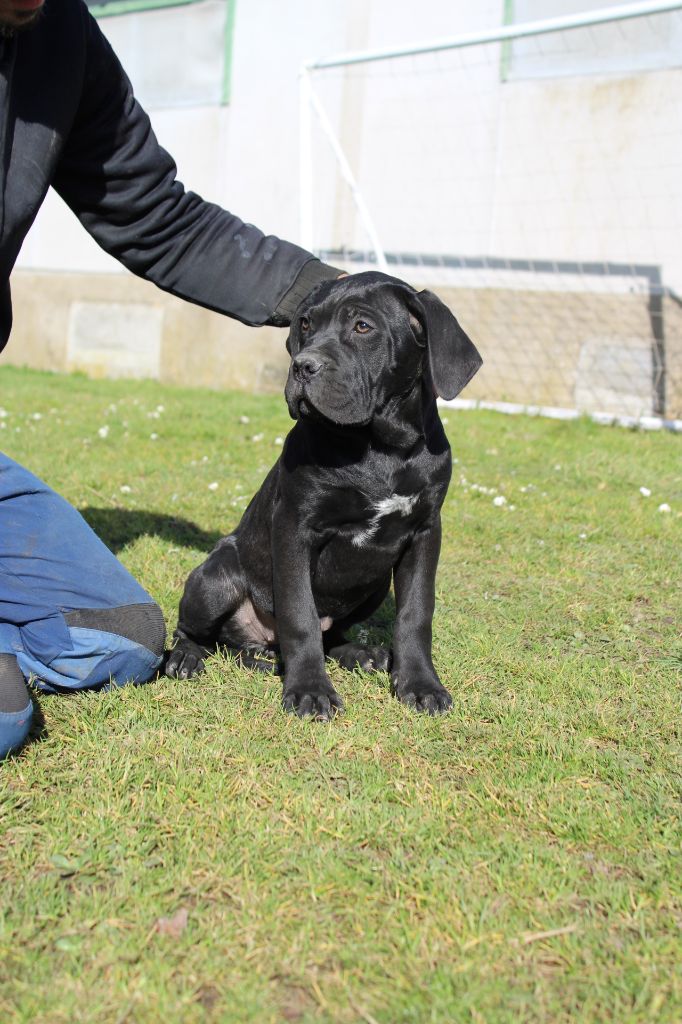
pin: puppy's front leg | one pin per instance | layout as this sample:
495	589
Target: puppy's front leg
413	677
308	691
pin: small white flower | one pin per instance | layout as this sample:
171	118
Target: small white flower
36	416
278	440
213	486
204	458
153	437
557	468
257	437
125	489
583	536
103	432
244	419
3	414
500	500
160	408
665	507
645	492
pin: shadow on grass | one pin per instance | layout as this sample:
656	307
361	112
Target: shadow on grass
118	527
38	731
378	627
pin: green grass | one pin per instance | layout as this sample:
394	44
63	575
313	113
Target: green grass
516	860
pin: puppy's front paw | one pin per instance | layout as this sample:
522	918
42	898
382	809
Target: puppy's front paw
319	701
427	695
185	660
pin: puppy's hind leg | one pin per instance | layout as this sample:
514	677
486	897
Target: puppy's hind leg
212	593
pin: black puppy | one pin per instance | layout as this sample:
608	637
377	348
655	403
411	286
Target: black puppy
354	499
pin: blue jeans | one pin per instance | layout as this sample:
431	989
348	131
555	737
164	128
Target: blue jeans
70	613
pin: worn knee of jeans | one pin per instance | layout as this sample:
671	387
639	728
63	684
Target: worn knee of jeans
141	623
133	635
107	647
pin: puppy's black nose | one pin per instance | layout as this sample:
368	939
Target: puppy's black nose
306	365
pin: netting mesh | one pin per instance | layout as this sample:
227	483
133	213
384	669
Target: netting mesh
545	208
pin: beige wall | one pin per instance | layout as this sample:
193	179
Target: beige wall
592	352
99	323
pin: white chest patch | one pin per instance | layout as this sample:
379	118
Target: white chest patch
402	504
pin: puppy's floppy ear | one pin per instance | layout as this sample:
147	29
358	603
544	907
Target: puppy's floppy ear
453	357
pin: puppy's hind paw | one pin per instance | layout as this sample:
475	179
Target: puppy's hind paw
369	659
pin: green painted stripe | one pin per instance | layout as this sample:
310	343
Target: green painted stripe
228	45
505	50
130	6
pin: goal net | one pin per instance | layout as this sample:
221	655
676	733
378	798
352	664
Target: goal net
534	181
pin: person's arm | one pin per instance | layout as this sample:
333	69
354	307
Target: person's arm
122	186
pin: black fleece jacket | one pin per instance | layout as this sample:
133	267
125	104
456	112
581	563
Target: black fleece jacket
68	118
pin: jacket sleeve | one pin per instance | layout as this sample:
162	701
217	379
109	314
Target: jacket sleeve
122	186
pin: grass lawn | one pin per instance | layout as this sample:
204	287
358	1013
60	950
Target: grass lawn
516	860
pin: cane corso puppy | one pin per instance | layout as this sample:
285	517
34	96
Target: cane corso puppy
353	501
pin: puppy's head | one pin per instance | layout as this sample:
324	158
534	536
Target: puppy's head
362	341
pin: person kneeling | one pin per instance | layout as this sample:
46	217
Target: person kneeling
71	616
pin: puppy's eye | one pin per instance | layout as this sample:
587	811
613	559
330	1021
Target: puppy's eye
361	327
305	324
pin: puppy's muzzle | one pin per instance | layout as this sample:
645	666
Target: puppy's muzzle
305	367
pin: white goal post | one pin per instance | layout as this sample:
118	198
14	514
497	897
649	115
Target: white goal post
532	175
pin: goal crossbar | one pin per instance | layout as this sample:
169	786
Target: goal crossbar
601	16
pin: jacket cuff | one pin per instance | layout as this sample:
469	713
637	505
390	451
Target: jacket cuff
312	273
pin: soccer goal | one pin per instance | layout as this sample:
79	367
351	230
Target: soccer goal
531	175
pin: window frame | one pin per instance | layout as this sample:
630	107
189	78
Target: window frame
116	8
